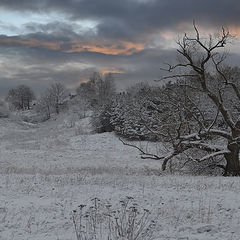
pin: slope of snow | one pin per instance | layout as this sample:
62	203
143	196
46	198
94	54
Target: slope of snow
47	170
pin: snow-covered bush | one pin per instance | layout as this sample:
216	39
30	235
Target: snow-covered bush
126	119
132	115
100	119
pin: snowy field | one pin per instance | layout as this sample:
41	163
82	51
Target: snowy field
47	170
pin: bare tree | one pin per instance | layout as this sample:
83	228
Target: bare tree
104	91
20	97
44	105
98	93
57	94
98	89
200	105
51	100
87	92
105	88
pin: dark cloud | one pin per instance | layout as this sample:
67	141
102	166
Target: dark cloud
128	38
136	15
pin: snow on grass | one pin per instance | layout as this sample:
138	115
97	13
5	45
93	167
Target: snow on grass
48	170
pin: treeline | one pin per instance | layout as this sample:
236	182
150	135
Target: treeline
52	100
128	113
141	112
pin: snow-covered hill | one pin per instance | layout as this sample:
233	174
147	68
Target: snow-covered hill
48	169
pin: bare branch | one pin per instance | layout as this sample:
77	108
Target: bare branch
166	159
226	80
214	121
202	146
177	76
170	67
144	154
215	154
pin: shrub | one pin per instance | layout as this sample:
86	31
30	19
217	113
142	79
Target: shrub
102	221
100	119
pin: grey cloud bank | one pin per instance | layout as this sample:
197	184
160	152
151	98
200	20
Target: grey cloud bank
130	37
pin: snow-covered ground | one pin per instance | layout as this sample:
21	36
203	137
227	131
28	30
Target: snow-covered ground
47	170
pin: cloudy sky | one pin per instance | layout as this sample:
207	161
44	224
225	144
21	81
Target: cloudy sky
67	40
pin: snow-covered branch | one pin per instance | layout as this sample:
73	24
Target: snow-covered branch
215	154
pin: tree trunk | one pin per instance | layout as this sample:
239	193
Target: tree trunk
232	158
48	112
22	105
57	108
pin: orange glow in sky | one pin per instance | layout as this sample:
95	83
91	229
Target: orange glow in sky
118	48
